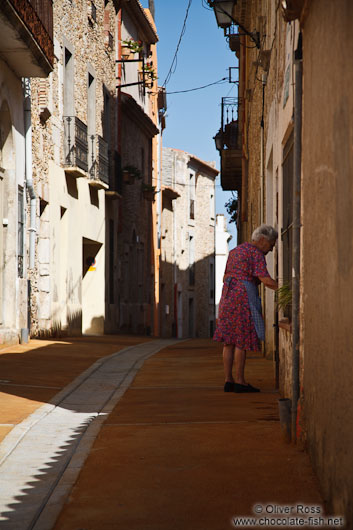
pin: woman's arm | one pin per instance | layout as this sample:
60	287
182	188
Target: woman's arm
269	282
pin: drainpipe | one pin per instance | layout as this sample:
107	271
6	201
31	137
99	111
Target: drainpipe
28	171
298	69
262	150
175	278
262	188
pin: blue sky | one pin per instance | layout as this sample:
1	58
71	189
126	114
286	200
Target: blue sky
204	57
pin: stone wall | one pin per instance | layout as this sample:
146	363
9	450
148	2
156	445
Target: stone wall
188	241
57	282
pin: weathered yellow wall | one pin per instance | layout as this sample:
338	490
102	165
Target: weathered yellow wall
327	267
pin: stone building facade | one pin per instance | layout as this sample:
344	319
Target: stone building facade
296	174
138	120
73	125
187	299
26	51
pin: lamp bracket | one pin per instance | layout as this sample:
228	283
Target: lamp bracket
254	36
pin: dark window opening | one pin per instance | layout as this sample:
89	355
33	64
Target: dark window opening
20	232
287	221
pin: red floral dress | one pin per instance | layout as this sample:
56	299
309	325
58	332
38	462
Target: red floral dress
235	324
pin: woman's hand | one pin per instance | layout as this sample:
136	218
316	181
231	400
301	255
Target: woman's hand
269	282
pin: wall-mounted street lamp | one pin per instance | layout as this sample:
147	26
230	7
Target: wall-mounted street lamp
223	11
224	15
218	140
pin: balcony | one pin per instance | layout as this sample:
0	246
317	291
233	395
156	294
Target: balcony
75	147
233	38
228	143
99	162
26	37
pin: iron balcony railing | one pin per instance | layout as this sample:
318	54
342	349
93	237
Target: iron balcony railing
229	144
229	124
99	159
75	143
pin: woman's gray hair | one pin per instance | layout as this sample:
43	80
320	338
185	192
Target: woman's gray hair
265	231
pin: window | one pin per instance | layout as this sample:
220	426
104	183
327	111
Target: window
140	272
191	260
92	12
211	280
287	220
111	261
212	207
91	123
20	232
142	162
192	196
69	84
106	115
192	209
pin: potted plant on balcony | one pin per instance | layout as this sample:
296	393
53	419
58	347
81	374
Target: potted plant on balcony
130	47
148	191
150	71
130	173
148	74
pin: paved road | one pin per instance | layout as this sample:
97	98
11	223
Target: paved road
41	457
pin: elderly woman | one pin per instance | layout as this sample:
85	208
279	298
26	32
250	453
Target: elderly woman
240	324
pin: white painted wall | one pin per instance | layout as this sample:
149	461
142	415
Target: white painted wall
13	295
72	294
222	250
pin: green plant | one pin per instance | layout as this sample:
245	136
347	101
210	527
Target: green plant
149	69
284	296
232	207
134	45
133	171
148	187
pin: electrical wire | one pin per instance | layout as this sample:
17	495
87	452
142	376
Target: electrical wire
219	82
174	64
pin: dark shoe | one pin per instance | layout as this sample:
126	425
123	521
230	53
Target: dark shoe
229	387
244	388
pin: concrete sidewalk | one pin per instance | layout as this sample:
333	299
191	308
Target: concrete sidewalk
32	374
166	447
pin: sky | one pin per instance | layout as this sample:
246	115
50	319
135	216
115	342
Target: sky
193	118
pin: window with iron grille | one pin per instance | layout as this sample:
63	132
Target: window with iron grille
287	220
111	261
211	280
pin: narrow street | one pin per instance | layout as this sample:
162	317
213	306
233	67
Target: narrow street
126	432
